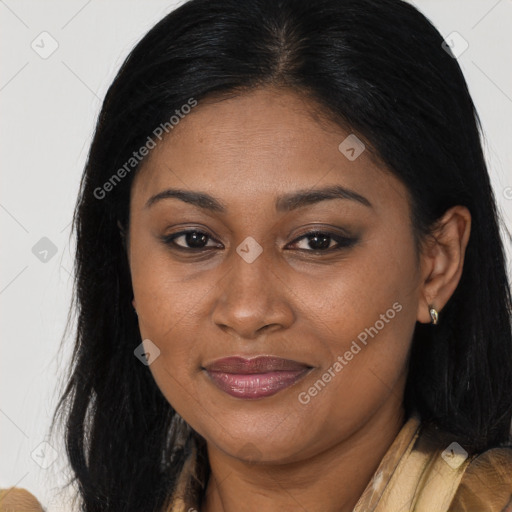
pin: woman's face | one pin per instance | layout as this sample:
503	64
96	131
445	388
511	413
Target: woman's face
340	307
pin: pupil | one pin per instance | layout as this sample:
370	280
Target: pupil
196	239
323	245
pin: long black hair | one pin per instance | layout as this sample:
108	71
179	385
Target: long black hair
376	67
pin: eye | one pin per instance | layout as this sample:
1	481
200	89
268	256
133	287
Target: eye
320	241
191	240
314	241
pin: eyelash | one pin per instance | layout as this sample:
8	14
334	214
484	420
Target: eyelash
342	241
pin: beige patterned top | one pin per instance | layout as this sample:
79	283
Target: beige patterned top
422	471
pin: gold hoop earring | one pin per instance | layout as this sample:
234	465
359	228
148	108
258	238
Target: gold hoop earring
434	315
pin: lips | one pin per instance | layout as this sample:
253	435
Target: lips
257	377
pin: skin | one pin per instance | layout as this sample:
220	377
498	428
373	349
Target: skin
306	306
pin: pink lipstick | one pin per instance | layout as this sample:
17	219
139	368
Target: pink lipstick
255	378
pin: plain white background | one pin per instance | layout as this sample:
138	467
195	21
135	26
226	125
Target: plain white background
48	111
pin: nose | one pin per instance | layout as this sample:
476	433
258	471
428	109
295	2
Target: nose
253	299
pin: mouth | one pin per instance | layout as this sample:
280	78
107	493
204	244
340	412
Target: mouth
258	377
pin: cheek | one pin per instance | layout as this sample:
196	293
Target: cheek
364	367
166	318
351	296
167	311
364	317
165	299
168	308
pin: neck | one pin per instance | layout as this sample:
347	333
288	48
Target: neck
331	481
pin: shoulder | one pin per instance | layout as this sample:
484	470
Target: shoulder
487	483
17	499
455	482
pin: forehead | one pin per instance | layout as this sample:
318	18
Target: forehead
258	144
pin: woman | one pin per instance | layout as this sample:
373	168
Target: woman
290	281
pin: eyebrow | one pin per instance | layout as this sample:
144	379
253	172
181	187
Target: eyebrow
284	203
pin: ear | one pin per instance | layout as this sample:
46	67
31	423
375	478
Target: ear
442	261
